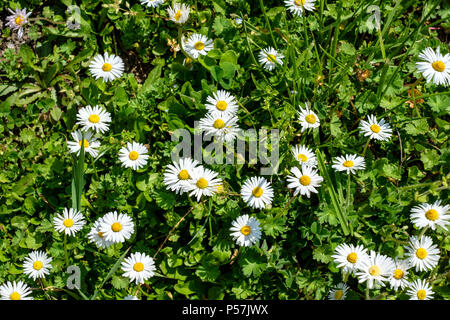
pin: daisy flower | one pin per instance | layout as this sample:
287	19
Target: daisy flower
198	45
339	292
221	101
375	269
90	143
108	67
203	182
420	290
422	253
378	130
349	163
270	57
257	192
436	67
152	3
398	278
179	13
305	180
430	215
95	118
17	20
37	264
134	155
245	230
298	6
98	237
178	173
349	256
307	118
222	126
304	155
116	227
15	291
138	267
70	221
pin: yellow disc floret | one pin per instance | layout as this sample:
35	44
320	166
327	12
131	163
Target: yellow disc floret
138	266
106	67
305	180
439	66
116	227
94	118
246	230
432	214
133	155
202	183
199	45
257	192
222	105
421	253
183	175
352	257
68	223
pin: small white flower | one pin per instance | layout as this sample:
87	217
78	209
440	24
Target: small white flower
138	267
307	118
304	155
297	7
305	180
348	257
422	253
152	3
116	227
203	182
375	269
108	67
97	237
95	118
221	101
430	215
420	290
246	230
339	292
15	291
436	67
378	130
17	20
37	264
179	13
398	278
178	173
349	163
257	192
69	222
134	155
222	126
270	58
197	45
90	143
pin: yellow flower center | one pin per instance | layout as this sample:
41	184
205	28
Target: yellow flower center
310	118
37	265
202	183
305	180
177	15
439	66
398	274
116	227
246	230
299	3
421	294
257	192
219	124
421	253
220	188
199	45
106	67
15	296
100	234
352	257
338	294
183	175
432	214
271	58
86	143
302	157
68	223
221	105
374	271
19	20
348	163
138	266
94	118
375	128
133	155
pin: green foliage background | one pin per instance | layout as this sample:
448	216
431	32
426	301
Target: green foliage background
45	79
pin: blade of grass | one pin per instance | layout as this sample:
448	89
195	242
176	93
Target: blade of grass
78	177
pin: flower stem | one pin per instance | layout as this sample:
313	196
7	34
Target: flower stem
367	292
423	232
66	257
365	147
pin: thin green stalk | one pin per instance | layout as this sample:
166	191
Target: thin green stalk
66	257
383	51
423	232
365	148
348	193
268	23
367	291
